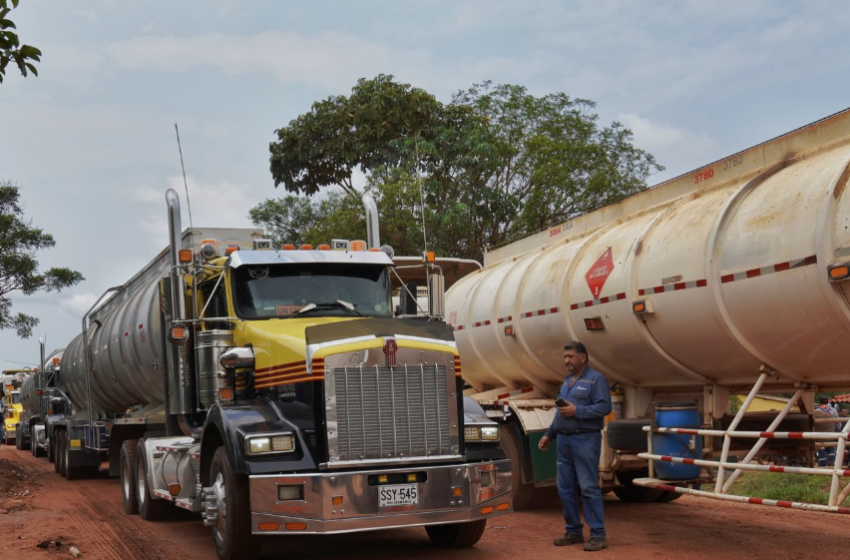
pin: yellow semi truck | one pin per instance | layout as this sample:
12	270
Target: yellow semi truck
276	393
12	379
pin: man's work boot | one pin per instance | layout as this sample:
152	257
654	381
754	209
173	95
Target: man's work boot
594	544
569	538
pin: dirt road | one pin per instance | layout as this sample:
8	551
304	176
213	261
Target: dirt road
37	505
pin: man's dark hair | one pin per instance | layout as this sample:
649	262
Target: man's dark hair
824	400
577	346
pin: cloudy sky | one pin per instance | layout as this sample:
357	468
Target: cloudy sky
91	140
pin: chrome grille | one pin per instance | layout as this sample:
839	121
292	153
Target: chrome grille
393	412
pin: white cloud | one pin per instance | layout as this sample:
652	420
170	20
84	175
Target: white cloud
148	27
330	59
71	65
676	148
87	15
214	204
78	303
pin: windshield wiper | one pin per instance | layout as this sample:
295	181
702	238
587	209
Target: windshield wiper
338	304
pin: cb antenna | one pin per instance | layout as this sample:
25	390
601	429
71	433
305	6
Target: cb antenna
185	184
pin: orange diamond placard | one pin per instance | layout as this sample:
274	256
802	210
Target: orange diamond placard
599	272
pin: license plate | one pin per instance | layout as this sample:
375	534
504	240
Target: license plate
400	495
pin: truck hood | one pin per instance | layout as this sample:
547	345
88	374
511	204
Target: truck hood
280	346
279	342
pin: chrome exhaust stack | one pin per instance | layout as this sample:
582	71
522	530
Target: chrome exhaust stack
373	236
180	397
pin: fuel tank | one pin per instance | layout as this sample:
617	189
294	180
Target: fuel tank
707	278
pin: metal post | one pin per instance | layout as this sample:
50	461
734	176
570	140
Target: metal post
760	443
839	460
727	440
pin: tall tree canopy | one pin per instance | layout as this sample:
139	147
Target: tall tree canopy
19	242
11	49
493	165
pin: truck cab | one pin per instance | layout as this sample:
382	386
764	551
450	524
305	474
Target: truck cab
12	407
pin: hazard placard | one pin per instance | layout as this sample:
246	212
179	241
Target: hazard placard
599	272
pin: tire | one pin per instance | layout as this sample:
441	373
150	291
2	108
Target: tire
19	439
232	536
150	508
128	471
457	535
54	447
667	496
71	473
632	493
60	451
51	451
523	494
628	435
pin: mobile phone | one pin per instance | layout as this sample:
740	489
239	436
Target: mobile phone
560	402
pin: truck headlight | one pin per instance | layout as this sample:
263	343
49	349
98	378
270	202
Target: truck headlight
278	443
486	432
490	433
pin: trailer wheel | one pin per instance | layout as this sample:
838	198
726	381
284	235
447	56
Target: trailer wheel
633	493
627	434
150	509
56	442
667	496
128	470
19	438
456	535
523	494
71	473
229	493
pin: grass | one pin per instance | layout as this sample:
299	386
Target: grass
812	489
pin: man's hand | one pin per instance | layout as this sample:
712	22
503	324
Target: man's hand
567	411
543	444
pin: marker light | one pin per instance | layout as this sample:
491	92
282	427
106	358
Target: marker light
230	250
185	255
324	247
306	247
839	272
357	245
288	247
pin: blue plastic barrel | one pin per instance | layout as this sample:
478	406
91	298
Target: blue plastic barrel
677	415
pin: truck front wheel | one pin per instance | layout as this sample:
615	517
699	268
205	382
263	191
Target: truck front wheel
228	511
456	535
523	494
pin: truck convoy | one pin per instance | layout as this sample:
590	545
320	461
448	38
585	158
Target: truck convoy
731	279
274	393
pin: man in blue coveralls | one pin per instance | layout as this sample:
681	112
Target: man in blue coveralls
583	402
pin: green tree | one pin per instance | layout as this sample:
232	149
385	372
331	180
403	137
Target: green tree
493	165
19	242
11	49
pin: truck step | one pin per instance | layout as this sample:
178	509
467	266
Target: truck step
177	448
187	504
163	494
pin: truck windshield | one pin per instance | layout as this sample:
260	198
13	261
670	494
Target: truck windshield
16	398
269	292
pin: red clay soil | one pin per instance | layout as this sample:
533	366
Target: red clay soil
37	506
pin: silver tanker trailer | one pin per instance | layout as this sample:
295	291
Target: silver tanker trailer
730	279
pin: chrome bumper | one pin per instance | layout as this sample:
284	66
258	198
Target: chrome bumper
360	509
